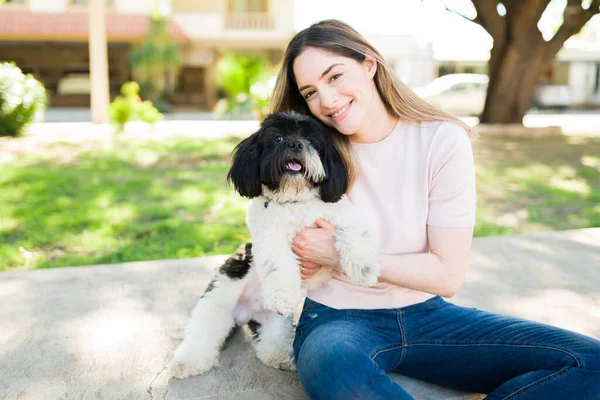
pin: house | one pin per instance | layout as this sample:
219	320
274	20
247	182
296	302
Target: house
49	38
411	59
577	65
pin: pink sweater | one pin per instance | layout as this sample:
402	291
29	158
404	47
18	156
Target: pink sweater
421	174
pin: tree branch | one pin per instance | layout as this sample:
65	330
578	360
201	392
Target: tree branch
475	20
525	13
575	17
489	19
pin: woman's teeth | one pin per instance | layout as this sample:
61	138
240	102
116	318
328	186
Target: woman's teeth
337	114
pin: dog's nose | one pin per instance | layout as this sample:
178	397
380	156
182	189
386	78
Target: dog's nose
295	145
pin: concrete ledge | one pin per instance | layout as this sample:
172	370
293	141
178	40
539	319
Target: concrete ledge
518	130
108	332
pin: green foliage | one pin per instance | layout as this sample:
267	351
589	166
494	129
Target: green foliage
81	203
155	62
244	78
130	107
23	99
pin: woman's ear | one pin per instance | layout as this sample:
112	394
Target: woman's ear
244	173
370	65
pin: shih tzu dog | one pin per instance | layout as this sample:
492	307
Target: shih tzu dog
294	176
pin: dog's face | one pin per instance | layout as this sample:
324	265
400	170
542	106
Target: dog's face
289	153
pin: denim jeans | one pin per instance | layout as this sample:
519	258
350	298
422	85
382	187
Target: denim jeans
346	354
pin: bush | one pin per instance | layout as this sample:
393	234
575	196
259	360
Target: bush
130	107
23	99
244	78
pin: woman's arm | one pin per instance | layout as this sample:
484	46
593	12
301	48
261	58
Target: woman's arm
441	271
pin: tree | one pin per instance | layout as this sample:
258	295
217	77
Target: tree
520	54
155	61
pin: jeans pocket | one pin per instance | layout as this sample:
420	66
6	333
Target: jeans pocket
308	304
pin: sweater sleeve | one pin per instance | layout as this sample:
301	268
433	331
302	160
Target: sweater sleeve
452	195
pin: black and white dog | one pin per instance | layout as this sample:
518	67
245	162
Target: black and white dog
294	175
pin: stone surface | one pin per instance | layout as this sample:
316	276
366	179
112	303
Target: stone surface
107	332
518	130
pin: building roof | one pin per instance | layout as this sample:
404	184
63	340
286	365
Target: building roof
73	26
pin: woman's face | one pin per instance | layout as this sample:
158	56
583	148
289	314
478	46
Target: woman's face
339	91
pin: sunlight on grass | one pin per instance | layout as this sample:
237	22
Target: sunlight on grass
87	203
578	186
146	158
592	162
527	186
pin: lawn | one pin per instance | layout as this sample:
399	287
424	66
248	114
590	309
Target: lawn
83	202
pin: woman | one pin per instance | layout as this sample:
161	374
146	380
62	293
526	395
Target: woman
413	178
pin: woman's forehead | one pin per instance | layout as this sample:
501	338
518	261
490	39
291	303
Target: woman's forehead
312	62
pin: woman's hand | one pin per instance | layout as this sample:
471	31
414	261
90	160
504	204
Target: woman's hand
315	247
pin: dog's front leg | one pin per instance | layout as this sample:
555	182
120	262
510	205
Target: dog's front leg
359	258
277	269
209	326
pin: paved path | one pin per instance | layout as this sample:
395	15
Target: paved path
107	332
585	122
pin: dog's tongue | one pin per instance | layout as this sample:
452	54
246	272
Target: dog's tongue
294	166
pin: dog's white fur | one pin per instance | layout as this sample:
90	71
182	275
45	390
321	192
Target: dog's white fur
272	288
235	302
273	228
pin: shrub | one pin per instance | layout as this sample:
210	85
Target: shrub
130	107
244	78
23	99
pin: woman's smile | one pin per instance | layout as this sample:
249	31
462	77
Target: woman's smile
341	112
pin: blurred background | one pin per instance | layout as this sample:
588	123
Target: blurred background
118	117
222	55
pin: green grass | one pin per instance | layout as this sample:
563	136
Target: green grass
93	202
526	186
68	205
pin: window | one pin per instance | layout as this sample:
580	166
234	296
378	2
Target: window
459	87
85	2
239	6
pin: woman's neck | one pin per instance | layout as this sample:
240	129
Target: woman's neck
377	124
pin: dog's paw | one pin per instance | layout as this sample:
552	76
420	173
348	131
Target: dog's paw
182	370
284	363
280	302
288	365
187	362
365	275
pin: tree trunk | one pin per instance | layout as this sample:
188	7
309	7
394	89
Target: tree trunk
514	72
520	54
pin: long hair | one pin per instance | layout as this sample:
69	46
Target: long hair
339	38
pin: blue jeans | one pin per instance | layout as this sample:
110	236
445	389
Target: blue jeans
346	354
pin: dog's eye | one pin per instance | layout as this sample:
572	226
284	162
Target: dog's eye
279	139
308	141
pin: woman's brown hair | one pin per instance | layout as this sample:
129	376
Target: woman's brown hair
342	40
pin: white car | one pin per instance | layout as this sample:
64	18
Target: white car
464	94
458	94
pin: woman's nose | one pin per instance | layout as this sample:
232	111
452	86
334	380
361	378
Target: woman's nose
329	98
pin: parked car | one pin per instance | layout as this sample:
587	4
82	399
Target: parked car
548	95
459	94
464	94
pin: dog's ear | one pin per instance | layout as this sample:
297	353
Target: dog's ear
336	182
244	173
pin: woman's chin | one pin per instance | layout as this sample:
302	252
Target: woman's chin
347	129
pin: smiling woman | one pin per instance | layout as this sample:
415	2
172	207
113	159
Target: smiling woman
416	188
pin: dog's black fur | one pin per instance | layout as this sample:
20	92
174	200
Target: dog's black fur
257	160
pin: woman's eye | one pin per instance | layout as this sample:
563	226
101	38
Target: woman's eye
279	139
335	77
309	94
